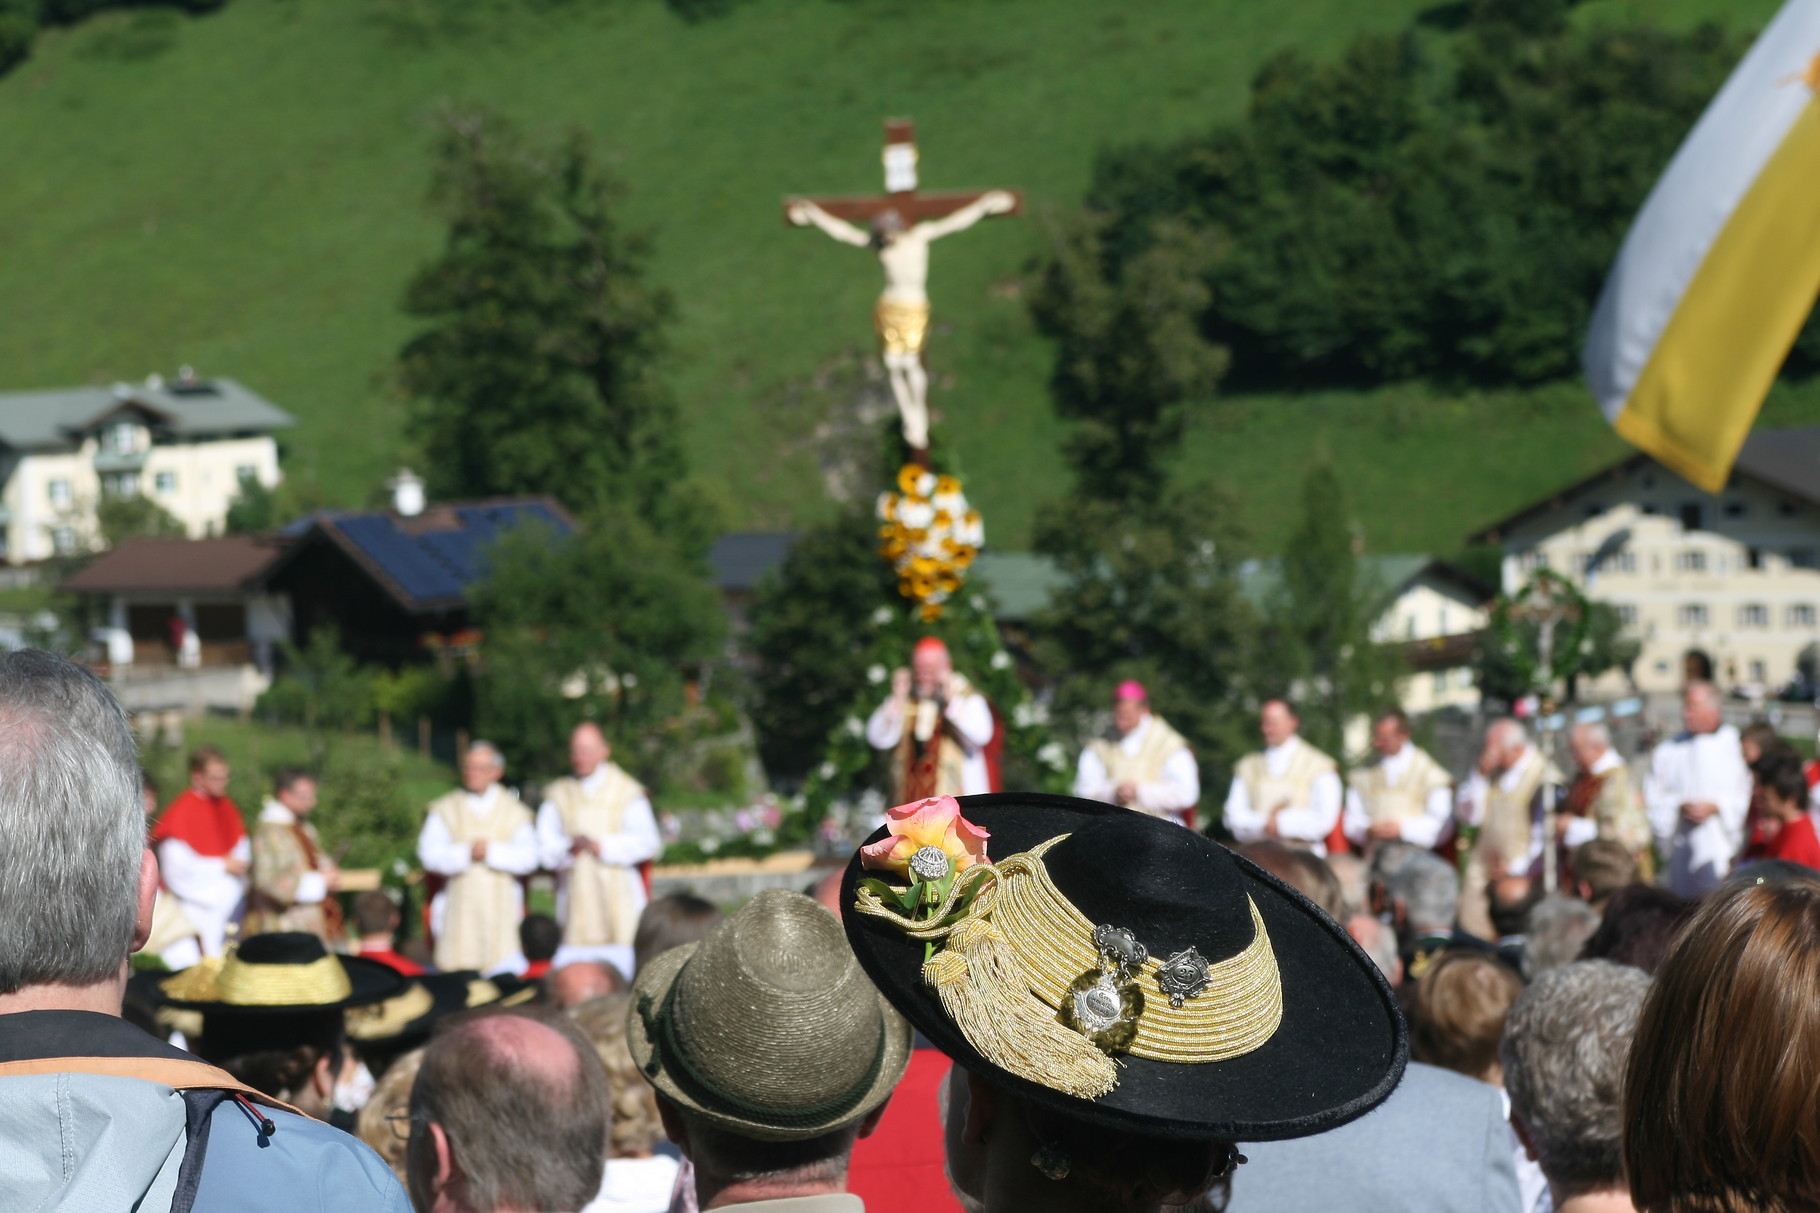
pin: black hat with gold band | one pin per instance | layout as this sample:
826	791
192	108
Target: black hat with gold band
405	1019
281	973
1126	971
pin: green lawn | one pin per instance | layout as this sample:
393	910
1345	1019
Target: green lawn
245	193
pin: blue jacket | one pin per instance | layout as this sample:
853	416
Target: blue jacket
85	1142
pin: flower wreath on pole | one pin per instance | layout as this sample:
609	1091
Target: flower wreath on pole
930	536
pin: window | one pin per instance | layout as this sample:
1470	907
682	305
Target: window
1803	558
1800	615
1753	558
1464	675
60	492
120	484
1690	561
1649	509
1627	614
1693	516
165	482
1736	509
1593	510
1647	480
1758	673
1532	560
1440	681
1753	615
63	540
120	438
1662	667
1787	508
246	472
1692	615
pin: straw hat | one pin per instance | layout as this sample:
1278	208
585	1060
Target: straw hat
1243	1012
406	1018
768	1026
281	973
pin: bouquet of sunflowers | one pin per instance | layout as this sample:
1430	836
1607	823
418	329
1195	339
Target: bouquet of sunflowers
929	535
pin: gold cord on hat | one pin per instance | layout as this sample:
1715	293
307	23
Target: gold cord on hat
237	983
1014	945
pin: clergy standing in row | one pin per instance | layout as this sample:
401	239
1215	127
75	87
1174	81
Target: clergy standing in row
593	830
1289	791
203	851
293	877
937	725
1604	802
1141	763
482	839
1506	799
1404	796
1698	792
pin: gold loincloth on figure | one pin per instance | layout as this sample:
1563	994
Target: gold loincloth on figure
902	327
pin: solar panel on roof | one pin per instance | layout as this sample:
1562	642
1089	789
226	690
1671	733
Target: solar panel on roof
416	571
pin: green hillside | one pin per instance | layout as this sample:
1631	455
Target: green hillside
245	193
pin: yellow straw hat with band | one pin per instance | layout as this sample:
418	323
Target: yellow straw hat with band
1131	972
278	973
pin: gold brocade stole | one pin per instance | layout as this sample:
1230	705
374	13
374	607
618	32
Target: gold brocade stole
1507	826
479	917
1295	784
1146	765
1402	801
598	907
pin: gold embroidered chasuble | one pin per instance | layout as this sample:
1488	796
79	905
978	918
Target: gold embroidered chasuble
599	906
480	907
1295	785
282	853
1404	799
1146	764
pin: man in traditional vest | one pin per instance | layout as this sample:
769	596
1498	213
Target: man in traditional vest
293	877
937	725
1405	795
1504	798
1141	763
1288	791
593	830
1604	801
482	839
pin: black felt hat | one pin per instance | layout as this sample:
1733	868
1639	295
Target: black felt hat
1338	1050
405	1019
280	973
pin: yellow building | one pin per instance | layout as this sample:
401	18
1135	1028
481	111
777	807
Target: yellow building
1726	583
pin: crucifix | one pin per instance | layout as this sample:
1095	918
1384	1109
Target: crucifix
900	225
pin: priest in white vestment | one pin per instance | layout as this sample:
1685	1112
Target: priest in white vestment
1143	764
1404	796
1288	791
1698	792
937	727
482	838
593	830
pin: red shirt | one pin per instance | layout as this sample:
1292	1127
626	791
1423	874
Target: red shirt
386	956
210	825
535	969
1797	843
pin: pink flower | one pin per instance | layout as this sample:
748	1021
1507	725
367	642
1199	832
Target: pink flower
935	822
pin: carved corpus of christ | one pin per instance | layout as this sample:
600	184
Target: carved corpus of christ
900	227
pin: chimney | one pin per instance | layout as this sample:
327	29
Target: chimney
407	493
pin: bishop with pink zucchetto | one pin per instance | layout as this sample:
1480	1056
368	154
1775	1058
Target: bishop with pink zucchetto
1140	762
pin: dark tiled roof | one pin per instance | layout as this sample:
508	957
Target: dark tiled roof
235	562
428	562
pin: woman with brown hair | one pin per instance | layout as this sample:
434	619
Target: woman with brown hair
1722	1093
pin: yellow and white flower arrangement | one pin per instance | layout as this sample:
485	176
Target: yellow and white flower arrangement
930	535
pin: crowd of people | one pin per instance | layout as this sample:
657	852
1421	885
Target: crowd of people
1380	992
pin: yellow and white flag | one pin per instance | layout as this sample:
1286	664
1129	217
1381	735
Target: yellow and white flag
1722	265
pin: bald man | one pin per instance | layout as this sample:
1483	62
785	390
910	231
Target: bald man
1289	791
1698	792
481	839
472	1147
593	830
1604	800
1504	798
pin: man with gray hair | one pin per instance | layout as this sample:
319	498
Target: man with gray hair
1420	892
94	1112
1503	799
479	838
1564	1050
1603	803
1698	792
510	1110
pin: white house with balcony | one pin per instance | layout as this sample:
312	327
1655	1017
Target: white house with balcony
187	444
1726	584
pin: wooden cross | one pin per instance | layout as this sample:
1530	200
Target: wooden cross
901	194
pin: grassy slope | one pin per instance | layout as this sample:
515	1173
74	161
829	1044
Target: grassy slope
245	193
